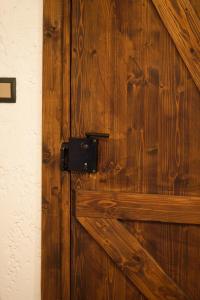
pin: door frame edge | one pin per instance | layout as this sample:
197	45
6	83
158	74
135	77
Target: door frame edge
56	207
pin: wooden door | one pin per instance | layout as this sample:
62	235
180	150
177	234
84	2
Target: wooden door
135	74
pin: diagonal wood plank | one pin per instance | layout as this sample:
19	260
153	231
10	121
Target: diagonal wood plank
183	25
142	207
132	259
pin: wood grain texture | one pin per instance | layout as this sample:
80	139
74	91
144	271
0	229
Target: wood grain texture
55	188
66	133
183	25
132	259
128	79
93	103
142	207
51	185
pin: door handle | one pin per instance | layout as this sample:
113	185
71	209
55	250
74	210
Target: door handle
95	135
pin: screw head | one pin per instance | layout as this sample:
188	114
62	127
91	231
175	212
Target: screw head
84	146
85	166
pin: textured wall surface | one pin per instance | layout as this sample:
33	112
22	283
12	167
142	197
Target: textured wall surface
20	150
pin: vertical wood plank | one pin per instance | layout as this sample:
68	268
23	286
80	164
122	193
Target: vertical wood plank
51	187
177	159
97	93
66	132
55	190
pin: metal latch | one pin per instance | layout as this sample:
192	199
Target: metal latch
81	154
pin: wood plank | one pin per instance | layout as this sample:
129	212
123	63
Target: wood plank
52	244
178	168
183	25
66	203
145	207
96	99
132	259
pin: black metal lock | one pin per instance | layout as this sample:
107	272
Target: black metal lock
81	154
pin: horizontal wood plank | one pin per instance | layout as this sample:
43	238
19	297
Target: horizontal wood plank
183	25
144	207
132	259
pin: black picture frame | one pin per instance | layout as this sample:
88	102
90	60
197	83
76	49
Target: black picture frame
12	81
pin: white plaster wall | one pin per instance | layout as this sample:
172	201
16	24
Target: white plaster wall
20	150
